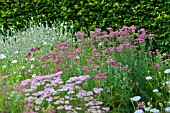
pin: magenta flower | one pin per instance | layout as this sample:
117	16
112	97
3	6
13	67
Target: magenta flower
5	111
151	35
116	65
157	65
22	71
8	105
141	105
29	73
58	59
33	49
88	57
141	39
100	76
80	34
28	55
85	68
79	51
67	67
37	48
120	48
98	30
120	38
125	68
110	28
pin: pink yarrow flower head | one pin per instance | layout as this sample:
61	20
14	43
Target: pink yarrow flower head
120	48
68	107
80	34
33	49
157	65
85	68
29	73
58	59
97	90
79	51
133	28
141	105
151	35
110	28
98	30
105	108
100	76
125	68
88	57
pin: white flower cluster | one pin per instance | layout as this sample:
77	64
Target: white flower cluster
2	56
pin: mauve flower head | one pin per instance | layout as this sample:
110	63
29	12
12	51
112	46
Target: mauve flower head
98	30
51	48
157	65
67	107
110	28
8	105
142	29
127	44
58	59
120	48
79	51
29	73
141	105
141	39
97	90
85	68
5	111
33	49
80	34
28	55
116	65
125	68
88	57
57	69
22	71
132	27
120	38
100	76
105	108
111	49
151	35
67	67
37	48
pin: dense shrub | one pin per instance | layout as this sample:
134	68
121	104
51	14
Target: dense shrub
88	15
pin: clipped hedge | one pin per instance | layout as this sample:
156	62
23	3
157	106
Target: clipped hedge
152	15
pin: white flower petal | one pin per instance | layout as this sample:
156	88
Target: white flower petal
155	90
148	78
14	61
167	109
136	98
147	109
154	110
167	82
167	71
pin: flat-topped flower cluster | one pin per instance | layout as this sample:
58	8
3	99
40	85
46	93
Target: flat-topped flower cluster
50	89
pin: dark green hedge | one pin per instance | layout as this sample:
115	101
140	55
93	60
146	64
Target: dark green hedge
153	15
